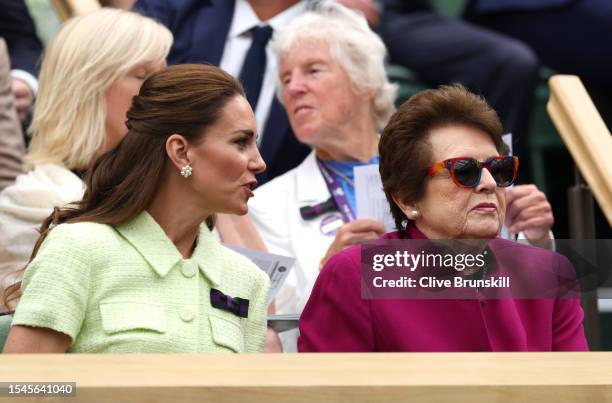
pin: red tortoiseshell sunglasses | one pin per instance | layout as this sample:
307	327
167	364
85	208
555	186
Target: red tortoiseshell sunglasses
466	172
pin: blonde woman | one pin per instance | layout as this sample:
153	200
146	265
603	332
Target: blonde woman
94	67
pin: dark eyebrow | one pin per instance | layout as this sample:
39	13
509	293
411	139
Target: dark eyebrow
247	132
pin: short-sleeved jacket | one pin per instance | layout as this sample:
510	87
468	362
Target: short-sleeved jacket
126	288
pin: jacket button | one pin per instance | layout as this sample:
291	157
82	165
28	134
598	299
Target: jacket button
187	314
188	269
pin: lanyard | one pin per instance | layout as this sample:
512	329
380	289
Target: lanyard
335	189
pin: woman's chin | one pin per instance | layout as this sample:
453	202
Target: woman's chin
482	227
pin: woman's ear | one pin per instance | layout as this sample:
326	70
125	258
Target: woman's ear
176	148
410	210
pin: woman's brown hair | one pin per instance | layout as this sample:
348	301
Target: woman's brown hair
404	148
184	99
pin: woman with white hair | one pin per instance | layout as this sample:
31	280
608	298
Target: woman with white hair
94	67
338	98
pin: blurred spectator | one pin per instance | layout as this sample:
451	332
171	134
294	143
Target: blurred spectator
569	36
17	29
11	138
442	50
337	106
222	33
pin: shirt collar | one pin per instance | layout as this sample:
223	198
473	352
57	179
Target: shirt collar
150	240
310	185
245	18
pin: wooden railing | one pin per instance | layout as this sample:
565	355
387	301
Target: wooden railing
585	134
354	378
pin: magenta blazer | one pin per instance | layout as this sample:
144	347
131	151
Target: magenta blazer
337	319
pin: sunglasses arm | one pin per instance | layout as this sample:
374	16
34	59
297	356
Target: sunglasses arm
436	167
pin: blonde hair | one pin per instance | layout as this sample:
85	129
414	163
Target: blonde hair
352	44
88	54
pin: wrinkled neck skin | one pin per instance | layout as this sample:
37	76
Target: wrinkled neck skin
357	141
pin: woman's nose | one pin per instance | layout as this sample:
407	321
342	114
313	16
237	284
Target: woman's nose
295	84
257	164
487	183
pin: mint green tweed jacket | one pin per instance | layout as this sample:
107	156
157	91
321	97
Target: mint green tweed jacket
126	288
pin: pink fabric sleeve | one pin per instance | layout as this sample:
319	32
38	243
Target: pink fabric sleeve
336	318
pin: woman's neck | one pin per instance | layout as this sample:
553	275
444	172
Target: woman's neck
349	144
179	219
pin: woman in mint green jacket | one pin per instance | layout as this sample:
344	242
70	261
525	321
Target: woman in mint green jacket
131	268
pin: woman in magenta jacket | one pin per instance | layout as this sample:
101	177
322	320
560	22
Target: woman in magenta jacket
444	171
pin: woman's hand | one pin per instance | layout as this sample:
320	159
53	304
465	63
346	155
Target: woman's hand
272	343
528	210
355	232
26	339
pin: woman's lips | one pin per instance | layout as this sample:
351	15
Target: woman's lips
249	187
301	109
248	191
486	208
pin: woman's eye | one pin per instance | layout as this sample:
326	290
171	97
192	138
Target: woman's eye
242	143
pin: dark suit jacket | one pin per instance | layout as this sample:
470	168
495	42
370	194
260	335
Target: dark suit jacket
200	29
477	7
17	29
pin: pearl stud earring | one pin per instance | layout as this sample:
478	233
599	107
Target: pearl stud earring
186	171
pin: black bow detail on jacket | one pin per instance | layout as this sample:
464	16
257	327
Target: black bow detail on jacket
237	306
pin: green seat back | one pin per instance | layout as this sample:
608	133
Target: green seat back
5	327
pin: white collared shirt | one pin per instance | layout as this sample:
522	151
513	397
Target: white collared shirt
238	43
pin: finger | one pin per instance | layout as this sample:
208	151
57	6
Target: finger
366	224
543	222
511	212
515	209
527	200
519	191
361	238
529	213
531	210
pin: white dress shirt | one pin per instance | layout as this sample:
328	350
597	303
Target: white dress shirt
238	43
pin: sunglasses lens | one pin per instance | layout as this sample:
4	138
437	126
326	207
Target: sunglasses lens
466	172
503	171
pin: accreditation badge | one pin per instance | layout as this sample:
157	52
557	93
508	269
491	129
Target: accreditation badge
331	223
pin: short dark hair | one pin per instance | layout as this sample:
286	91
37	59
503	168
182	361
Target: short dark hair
404	147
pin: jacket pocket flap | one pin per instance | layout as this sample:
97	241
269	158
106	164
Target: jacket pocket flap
120	316
227	333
